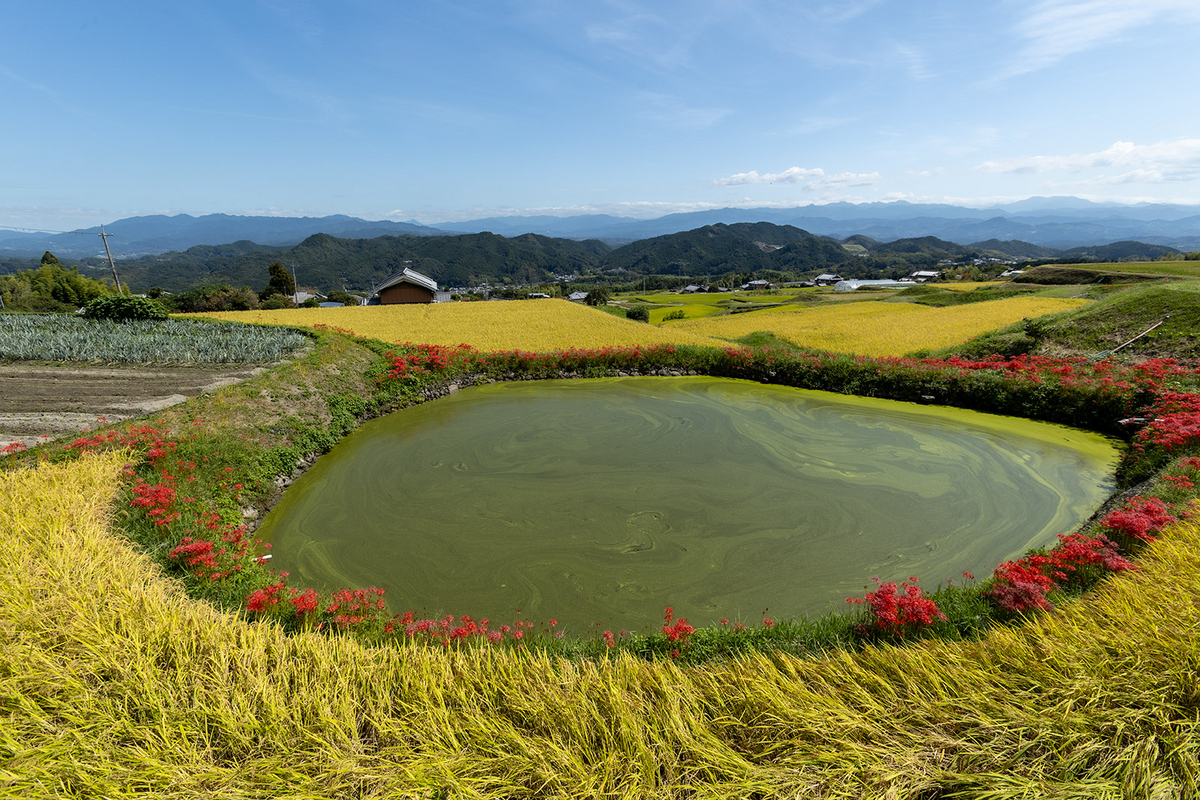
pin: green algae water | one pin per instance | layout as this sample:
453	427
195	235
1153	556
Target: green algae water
603	501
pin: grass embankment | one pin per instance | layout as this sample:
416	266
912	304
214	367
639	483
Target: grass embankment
1125	271
1120	314
115	685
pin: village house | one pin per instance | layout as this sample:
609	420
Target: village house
407	286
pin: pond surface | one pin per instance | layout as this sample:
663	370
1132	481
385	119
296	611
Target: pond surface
603	501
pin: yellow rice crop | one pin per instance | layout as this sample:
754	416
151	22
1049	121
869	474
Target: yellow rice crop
531	325
114	685
965	286
879	329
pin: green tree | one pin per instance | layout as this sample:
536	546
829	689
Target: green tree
598	296
49	287
281	282
638	313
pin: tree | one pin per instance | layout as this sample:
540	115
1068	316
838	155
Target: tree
281	282
638	313
49	287
345	298
598	296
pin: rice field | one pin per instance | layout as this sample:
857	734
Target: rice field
868	328
529	325
878	329
116	685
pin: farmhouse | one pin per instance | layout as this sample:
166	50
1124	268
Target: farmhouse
577	297
406	286
923	275
758	284
827	279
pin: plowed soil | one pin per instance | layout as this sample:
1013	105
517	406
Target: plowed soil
44	402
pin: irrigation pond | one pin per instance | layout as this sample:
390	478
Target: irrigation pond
605	500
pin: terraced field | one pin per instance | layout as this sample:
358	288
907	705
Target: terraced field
879	329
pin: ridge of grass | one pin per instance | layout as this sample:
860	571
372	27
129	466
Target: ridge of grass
116	685
1103	325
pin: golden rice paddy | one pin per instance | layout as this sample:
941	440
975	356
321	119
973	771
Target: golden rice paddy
869	328
529	325
878	329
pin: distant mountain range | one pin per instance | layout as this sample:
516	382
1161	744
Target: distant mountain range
139	236
1053	222
707	253
1057	222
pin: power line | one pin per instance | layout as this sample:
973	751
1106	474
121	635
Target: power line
32	230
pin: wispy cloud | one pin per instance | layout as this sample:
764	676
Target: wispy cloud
668	110
642	34
815	178
1055	29
818	124
300	16
50	94
1178	160
288	87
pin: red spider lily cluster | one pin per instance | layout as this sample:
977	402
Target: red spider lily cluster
419	359
898	612
1139	519
1174	422
677	631
1023	585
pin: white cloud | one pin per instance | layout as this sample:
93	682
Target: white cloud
1055	29
815	178
1154	163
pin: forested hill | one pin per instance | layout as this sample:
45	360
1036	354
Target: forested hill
741	247
324	262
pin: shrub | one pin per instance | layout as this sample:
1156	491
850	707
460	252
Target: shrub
639	313
276	301
120	307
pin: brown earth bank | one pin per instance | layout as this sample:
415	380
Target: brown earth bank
41	402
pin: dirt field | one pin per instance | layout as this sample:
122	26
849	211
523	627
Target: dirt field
44	402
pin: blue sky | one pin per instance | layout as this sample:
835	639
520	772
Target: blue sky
454	110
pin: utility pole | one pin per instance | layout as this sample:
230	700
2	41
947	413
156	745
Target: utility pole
104	238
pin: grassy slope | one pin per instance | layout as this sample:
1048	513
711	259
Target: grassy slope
1121	314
